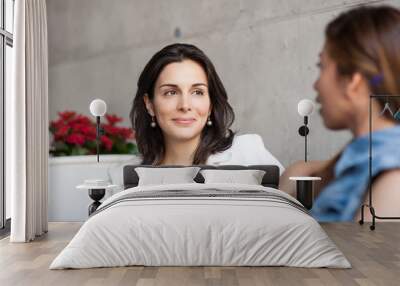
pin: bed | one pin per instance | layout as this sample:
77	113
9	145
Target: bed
201	224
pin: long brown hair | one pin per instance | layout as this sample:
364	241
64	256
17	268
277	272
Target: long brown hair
367	40
150	141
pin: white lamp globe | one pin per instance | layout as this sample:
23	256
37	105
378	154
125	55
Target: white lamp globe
305	107
98	107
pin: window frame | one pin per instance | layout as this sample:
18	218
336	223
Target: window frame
6	39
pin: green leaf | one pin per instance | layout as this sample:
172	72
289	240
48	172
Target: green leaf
91	146
120	147
132	149
78	151
62	146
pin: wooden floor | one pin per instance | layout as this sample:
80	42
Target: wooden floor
375	257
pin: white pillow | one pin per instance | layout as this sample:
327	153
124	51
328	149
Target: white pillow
162	176
115	174
248	177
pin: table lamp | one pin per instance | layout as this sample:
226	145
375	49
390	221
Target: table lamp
96	187
304	185
98	108
305	108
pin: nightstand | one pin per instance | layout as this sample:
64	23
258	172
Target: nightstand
304	190
97	190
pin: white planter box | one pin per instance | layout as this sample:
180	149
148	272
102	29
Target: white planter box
66	203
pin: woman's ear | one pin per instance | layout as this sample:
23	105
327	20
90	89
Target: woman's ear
148	104
357	87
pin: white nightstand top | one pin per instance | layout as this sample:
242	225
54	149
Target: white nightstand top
95	184
305	178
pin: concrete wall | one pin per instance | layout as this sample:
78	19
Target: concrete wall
265	51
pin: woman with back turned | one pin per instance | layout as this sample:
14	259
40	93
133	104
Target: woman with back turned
360	58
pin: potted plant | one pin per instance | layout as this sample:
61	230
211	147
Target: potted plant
75	134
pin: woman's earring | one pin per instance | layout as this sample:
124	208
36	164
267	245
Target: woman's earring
209	122
153	123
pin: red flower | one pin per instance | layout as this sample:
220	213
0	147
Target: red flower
75	127
67	115
61	132
126	133
111	130
122	132
89	132
57	124
90	137
81	119
79	130
77	139
113	119
107	142
83	128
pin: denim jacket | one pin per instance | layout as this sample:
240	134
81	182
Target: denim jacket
341	199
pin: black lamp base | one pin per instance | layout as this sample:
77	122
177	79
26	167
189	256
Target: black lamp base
96	195
304	194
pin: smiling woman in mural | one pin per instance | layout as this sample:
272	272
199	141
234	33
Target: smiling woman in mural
182	116
360	57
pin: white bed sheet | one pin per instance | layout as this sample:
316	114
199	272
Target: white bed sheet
189	231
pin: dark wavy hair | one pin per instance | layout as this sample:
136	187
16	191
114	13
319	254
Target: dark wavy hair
150	141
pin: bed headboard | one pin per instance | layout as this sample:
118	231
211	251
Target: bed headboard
270	179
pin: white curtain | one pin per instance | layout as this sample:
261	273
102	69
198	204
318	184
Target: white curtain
27	123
